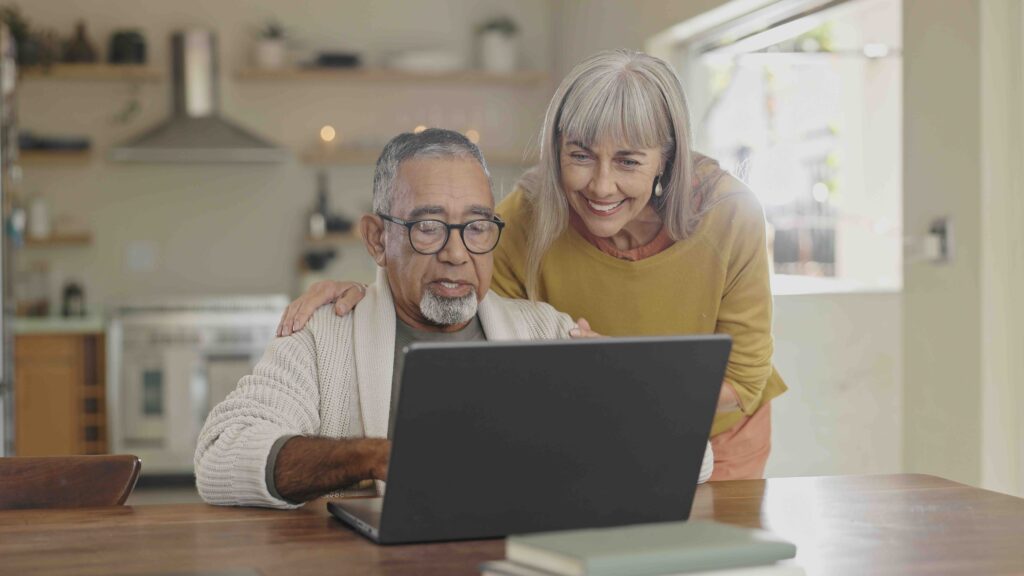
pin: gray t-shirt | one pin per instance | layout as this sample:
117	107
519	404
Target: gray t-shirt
404	335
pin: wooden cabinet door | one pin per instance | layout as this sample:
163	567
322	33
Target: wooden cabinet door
48	374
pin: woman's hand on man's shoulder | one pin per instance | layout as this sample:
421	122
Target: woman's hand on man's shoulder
583	330
344	295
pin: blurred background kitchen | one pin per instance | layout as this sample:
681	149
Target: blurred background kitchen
175	172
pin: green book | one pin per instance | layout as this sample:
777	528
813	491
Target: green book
506	568
647	549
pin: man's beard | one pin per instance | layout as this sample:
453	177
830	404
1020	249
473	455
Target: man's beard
448	311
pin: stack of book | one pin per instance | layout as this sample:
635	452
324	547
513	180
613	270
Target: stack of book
691	548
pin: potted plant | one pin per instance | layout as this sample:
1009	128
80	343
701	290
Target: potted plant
499	45
20	30
271	47
33	46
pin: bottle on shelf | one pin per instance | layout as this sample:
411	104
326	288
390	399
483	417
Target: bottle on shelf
17	213
80	48
73	300
318	218
39	218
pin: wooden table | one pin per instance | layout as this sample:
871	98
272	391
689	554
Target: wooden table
901	524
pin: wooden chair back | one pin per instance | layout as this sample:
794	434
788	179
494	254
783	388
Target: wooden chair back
67	481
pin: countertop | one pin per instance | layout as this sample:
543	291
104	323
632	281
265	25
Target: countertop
95	324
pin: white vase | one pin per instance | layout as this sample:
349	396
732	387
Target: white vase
38	218
499	52
271	53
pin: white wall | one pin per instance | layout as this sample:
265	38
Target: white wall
841	355
583	27
236	228
942	177
1002	265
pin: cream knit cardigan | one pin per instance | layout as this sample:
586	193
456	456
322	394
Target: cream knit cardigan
332	379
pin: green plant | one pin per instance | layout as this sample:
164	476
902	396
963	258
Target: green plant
33	46
822	38
43	48
503	24
19	27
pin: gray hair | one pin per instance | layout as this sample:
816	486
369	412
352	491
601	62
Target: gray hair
430	143
626	96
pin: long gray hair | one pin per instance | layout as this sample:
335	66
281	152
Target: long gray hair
628	97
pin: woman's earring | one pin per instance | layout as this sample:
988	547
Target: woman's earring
658	191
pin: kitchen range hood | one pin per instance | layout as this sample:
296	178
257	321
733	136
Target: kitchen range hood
195	131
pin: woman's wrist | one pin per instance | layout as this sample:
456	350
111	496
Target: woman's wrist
728	399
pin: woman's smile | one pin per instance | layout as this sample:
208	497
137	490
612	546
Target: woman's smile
603	209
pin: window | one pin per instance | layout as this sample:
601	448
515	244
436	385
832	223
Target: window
807	110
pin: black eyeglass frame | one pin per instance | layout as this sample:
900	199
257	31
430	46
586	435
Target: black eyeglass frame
408	224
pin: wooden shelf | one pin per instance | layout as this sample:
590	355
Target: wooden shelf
335	239
60	240
90	72
94	392
54	157
343	156
95	419
95	447
524	78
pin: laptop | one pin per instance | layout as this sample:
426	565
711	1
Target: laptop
499	438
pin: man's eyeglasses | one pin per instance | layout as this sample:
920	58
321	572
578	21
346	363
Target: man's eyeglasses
431	236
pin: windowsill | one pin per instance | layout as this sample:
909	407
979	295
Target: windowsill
790	285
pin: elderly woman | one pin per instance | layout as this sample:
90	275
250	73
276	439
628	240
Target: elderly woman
622	224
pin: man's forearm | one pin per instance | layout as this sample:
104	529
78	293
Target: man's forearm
307	468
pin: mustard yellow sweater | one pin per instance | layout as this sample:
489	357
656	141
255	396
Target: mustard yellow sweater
715	281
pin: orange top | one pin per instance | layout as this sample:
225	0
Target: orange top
660	242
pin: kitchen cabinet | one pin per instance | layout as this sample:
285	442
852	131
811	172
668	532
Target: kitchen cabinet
60	394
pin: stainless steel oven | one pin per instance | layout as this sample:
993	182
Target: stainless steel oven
171	361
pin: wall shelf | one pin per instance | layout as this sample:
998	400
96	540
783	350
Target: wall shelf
54	157
335	239
341	156
90	72
60	240
523	78
344	156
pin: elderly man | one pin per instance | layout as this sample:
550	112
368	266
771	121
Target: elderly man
314	416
